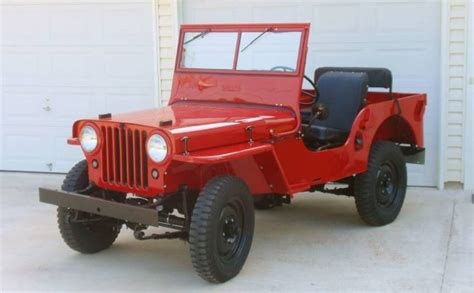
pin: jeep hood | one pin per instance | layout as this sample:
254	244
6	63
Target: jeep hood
211	124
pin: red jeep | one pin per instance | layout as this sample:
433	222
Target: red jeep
239	132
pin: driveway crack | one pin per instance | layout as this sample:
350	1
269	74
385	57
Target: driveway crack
448	246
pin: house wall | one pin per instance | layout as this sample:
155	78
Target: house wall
469	150
454	71
167	33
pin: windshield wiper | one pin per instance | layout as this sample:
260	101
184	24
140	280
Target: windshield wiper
200	35
256	38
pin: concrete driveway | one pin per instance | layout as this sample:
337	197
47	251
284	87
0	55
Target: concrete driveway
317	243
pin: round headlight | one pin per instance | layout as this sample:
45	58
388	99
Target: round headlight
88	138
157	148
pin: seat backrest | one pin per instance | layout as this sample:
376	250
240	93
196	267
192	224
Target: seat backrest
378	77
343	94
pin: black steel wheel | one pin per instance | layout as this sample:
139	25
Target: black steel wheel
84	232
221	230
379	193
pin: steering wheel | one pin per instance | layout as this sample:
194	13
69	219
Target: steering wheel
314	98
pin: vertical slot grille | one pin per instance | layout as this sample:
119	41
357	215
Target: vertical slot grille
124	157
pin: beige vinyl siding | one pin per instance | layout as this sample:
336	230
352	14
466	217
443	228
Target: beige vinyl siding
457	36
167	39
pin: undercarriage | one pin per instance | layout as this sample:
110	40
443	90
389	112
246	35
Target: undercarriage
137	213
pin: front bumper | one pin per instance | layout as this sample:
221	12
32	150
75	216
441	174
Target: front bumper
102	207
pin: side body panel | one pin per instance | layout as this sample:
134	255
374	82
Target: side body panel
304	168
284	165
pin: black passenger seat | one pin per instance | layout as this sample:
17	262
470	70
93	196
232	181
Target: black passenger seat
343	94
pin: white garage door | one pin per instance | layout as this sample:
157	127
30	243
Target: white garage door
67	61
400	35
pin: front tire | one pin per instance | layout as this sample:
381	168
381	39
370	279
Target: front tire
84	232
221	230
380	191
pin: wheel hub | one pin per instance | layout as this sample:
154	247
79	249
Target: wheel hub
231	231
386	190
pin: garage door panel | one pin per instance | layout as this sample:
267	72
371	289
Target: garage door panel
136	70
342	18
24	107
87	68
74	25
78	24
330	55
20	105
124	24
216	15
402	17
40	149
42	106
414	62
62	106
284	13
27	25
25	147
119	101
24	64
71	65
415	19
70	105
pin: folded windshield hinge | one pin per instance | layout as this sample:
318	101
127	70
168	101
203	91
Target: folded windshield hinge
249	130
185	141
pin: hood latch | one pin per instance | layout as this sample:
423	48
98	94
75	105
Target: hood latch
185	140
249	130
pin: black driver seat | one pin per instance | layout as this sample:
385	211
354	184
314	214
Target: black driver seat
343	95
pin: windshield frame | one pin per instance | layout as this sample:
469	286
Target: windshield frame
239	29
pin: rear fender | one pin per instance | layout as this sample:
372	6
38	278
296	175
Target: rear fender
397	129
405	128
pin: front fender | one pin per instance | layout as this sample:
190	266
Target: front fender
256	163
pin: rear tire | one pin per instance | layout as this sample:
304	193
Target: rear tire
84	237
380	191
221	230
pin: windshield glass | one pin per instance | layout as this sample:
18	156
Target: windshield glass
266	50
209	50
277	51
